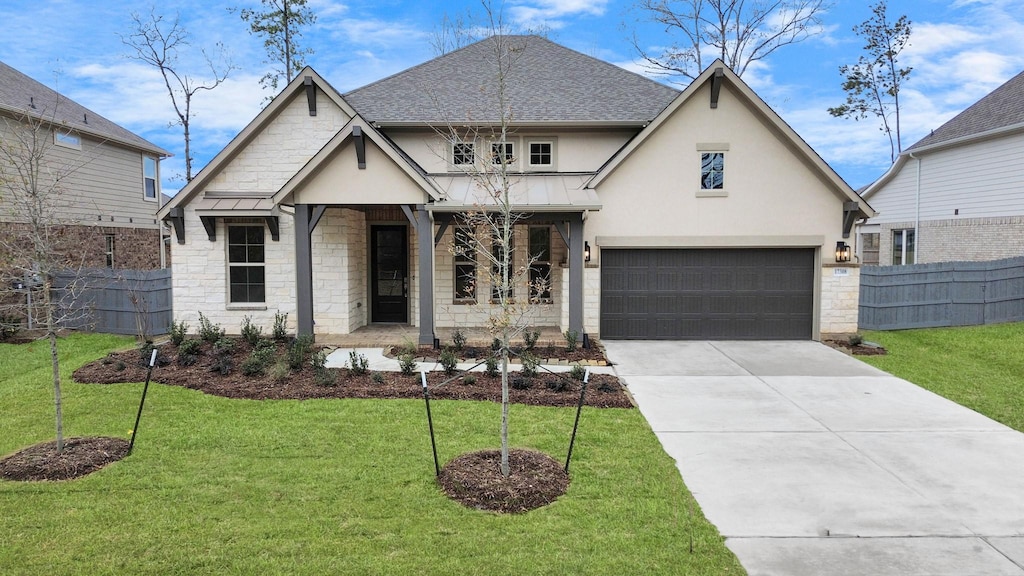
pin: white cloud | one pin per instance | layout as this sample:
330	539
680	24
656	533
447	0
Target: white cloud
549	13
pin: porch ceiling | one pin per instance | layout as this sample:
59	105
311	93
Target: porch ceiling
534	193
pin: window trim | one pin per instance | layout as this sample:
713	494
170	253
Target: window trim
714	191
110	243
464	257
553	142
67	139
509	153
907	247
155	178
467	146
230	265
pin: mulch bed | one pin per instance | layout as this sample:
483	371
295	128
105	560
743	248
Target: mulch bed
474	479
862	349
545	389
81	456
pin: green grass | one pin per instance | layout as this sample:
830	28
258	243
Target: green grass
219	486
980	367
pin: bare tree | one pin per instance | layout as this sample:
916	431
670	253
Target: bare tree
157	42
36	245
739	32
280	24
873	84
452	33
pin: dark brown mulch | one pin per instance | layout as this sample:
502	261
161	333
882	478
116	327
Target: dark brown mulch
475	480
81	456
479	353
862	349
603	390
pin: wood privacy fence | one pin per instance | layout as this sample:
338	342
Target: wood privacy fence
117	301
941	294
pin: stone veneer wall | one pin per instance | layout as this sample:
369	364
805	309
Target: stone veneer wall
591	300
840	299
970	239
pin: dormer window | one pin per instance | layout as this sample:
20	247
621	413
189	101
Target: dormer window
463	153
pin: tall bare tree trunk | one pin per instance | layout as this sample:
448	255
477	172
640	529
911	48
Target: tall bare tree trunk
51	333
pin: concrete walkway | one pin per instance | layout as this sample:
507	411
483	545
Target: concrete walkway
810	462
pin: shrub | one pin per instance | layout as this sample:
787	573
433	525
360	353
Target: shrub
605	386
558	385
530	337
491	366
280	331
120	366
179	330
251	333
298	351
9	326
578	372
187	359
856	339
458	340
571	338
357	363
280	372
469	379
318	360
448	361
190	346
208	331
323	375
520	383
407	364
252	366
224	347
530	363
145	352
377	377
496	344
222	365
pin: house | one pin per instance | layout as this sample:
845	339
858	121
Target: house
107	178
958	193
655	213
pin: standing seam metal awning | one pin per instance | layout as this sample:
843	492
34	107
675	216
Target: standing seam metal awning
533	193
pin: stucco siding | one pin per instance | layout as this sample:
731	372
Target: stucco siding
341	181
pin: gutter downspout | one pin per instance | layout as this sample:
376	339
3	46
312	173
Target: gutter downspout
917	210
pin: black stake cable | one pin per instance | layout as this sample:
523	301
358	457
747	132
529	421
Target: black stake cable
430	422
135	430
579	408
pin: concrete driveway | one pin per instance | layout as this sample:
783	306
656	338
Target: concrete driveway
810	462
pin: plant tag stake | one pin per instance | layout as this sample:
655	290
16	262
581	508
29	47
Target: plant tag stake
135	430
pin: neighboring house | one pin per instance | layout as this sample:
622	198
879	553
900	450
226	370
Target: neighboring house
109	178
958	193
656	213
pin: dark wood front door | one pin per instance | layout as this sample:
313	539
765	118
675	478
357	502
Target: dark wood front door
389	274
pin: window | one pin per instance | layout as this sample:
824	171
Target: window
109	249
246	272
542	153
149	177
67	140
463	153
464	248
498	256
712	170
502	153
902	247
540	269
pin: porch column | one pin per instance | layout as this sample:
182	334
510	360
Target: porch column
303	268
425	240
576	265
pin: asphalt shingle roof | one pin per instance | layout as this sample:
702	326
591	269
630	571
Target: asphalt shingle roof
18	93
547	83
1002	107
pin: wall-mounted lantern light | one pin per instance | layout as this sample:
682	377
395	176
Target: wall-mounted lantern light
842	251
586	251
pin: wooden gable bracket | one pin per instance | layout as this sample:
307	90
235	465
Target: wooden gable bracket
210	223
310	94
442	227
850	210
176	216
275	228
716	86
357	136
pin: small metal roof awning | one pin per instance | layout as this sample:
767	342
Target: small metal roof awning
530	193
237	205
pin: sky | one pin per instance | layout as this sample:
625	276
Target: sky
959	50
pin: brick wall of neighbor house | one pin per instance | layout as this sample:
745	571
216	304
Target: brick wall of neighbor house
134	248
840	299
971	239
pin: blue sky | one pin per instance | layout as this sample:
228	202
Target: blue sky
960	51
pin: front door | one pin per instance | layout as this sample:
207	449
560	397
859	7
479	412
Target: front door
389	274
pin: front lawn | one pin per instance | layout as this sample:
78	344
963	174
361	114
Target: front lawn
217	485
980	367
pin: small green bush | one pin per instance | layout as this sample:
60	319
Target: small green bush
190	346
223	365
530	337
298	352
520	383
496	344
407	364
491	366
318	360
145	353
9	326
251	333
856	339
571	339
224	346
558	385
178	331
252	366
120	366
448	361
323	375
357	363
280	331
458	340
279	372
377	377
605	386
530	364
578	372
469	380
208	331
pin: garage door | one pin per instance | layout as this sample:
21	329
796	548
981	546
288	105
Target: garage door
722	294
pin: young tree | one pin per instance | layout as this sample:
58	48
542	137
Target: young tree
35	247
739	32
156	42
872	85
452	34
280	25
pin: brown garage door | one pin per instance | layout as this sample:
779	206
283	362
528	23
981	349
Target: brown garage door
712	294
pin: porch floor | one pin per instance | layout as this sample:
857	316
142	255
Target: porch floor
382	335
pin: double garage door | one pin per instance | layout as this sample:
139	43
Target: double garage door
707	294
